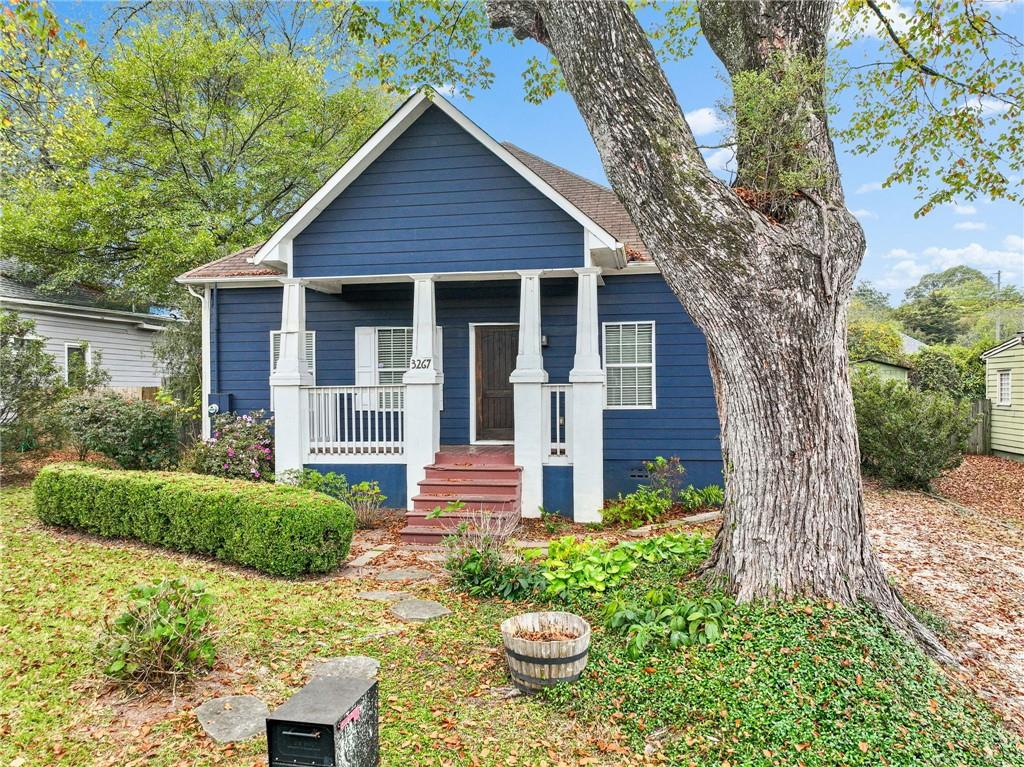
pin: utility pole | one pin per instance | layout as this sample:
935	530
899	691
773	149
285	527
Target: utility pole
999	288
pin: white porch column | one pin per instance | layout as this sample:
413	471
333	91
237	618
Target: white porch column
527	383
587	379
287	378
422	388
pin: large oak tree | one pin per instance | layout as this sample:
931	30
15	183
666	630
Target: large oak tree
765	266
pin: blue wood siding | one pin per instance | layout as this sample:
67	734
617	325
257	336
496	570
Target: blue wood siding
241	321
558	490
437	200
390	476
685	422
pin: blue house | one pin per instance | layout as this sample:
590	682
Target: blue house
460	319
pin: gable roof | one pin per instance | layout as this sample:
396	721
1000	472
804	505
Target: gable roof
1008	344
596	200
911	345
592	205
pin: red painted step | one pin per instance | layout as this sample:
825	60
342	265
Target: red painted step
484	478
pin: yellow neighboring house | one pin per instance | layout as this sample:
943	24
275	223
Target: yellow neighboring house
1004	387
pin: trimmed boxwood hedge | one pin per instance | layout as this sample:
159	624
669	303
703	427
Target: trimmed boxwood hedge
279	529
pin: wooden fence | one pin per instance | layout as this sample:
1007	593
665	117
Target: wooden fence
980	440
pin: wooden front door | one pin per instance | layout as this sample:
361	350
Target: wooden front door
496	349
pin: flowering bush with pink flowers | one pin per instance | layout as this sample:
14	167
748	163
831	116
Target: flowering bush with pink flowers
240	446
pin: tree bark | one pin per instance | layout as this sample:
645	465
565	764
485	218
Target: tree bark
771	296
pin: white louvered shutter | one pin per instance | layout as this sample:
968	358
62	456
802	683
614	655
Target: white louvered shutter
629	364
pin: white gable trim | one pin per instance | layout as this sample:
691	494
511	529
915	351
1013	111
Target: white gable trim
278	249
1008	344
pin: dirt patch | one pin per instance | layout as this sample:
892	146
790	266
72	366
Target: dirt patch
966	565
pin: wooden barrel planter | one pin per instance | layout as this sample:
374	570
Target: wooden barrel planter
544	649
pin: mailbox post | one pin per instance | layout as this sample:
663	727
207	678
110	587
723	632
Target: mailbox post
331	722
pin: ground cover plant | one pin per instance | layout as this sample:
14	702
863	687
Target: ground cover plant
163	637
277	529
777	670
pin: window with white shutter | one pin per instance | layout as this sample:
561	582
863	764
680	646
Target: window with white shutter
275	350
629	364
1004	389
394	349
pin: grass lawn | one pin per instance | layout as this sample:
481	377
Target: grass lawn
789	685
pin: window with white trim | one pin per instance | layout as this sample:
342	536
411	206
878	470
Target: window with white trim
629	364
275	350
1004	388
76	364
394	350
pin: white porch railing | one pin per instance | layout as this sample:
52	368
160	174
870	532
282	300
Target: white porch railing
557	413
356	420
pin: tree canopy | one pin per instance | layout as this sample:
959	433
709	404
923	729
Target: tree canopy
181	141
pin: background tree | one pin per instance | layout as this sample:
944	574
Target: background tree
871	339
30	383
185	140
932	318
868	302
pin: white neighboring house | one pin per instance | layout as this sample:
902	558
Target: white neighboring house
78	323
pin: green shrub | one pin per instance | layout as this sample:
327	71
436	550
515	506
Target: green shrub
364	498
641	507
907	437
692	498
483	573
135	434
666	474
163	637
277	529
665	615
240	446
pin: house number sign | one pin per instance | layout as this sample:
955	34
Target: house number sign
420	363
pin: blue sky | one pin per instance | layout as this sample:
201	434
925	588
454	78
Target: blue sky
983	234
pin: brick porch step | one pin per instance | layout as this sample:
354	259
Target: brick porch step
450	520
470	501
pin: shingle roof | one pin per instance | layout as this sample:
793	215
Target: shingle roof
235	265
17	283
595	200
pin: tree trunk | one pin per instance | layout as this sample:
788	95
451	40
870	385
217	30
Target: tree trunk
770	296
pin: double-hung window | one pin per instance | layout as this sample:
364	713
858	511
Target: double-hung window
275	350
1004	388
629	364
394	350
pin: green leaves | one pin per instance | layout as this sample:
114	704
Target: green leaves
162	636
943	91
665	615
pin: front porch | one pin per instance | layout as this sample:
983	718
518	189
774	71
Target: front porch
464	378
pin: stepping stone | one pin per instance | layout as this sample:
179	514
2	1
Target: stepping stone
419	610
233	718
360	666
383	596
407	574
432	557
365	558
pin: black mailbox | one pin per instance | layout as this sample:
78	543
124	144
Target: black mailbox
331	722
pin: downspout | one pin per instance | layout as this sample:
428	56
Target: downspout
204	300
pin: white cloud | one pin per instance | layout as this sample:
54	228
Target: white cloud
988	106
909	267
963	210
970	226
864	214
722	160
874	186
704	121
